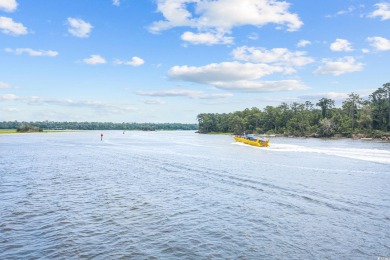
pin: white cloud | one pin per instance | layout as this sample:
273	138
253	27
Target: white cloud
99	105
175	13
12	110
94	60
79	28
347	11
278	56
341	45
135	61
262	86
93	104
342	12
153	101
116	2
170	93
96	105
303	43
8	5
8	26
32	52
331	95
235	76
8	97
339	67
183	93
379	43
382	11
253	36
206	38
223	15
4	85
225	71
216	96
365	50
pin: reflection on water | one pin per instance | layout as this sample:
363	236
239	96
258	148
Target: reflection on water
181	195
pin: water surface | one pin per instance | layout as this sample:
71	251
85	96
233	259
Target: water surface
181	195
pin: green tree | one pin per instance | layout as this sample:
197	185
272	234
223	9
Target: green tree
351	106
380	100
365	119
236	124
326	104
327	127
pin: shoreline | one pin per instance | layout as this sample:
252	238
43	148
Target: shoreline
14	132
385	138
363	137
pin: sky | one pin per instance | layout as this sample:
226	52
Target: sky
165	61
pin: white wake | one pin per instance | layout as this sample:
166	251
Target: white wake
372	155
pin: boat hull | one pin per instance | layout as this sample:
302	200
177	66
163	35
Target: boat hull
255	142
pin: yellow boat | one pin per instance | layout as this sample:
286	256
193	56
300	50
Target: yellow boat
252	141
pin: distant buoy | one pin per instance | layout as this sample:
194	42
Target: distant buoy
101	137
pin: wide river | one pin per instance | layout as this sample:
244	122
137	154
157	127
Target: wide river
181	195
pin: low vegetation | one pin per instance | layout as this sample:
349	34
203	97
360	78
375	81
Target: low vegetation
7	131
26	128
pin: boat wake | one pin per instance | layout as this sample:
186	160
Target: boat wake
371	155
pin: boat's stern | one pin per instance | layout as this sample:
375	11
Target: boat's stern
263	143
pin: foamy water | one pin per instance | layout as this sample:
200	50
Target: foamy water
371	155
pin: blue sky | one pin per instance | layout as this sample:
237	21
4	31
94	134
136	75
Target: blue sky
169	60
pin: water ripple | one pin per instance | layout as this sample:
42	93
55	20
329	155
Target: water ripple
177	195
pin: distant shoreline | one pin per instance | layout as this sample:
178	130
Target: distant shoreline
385	138
14	132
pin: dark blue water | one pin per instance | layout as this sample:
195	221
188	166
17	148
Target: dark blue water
180	195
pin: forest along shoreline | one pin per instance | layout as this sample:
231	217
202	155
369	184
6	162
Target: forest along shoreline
357	118
385	138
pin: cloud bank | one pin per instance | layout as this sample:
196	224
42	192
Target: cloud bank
235	76
183	93
214	19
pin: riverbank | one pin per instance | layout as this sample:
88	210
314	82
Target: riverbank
7	131
381	137
14	131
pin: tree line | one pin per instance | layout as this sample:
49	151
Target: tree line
370	117
50	125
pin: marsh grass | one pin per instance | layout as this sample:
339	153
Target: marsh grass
13	131
7	131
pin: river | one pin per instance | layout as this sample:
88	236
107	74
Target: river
181	195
